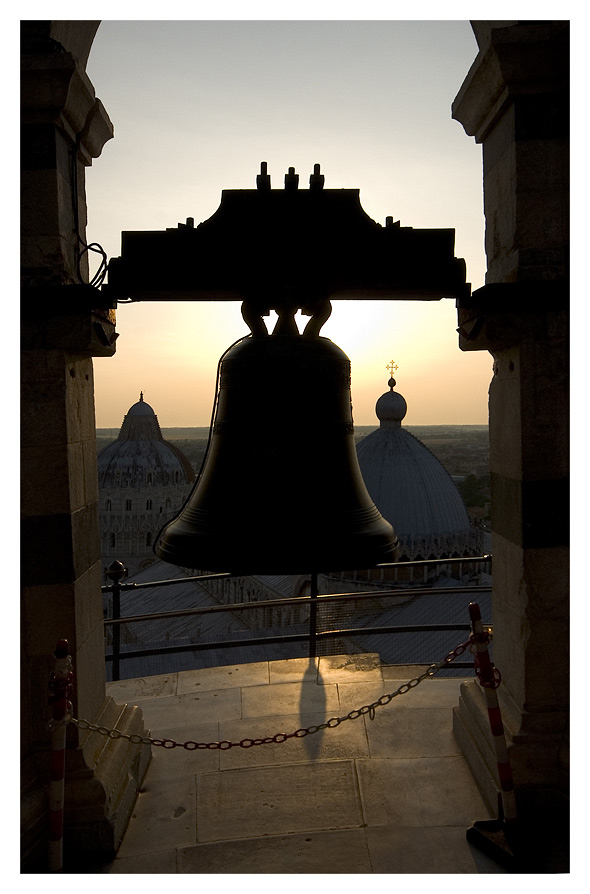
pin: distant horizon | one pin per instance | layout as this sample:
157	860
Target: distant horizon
104	428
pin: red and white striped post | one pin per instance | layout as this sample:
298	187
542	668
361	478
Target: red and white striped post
489	677
60	686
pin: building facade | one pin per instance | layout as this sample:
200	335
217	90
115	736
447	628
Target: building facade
143	481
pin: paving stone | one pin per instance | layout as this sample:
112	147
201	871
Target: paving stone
223	704
352	696
142	687
156	862
429	693
310	852
163	817
354	668
249	803
182	710
289	698
162	713
294	669
419	792
347	741
434	693
168	762
229	677
402	671
403	732
398	849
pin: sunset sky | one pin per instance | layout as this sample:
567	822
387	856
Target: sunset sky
197	105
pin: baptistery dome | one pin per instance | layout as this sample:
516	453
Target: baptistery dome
143	481
412	489
140	456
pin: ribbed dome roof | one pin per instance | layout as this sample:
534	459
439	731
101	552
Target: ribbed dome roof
408	484
140	456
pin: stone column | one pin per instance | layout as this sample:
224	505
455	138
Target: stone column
64	324
515	102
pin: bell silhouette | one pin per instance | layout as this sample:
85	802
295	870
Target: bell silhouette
281	491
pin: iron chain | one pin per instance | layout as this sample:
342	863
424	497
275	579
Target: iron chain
278	738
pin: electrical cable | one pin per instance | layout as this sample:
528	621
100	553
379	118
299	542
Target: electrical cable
99	277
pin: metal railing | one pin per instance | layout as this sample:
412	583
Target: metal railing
331	606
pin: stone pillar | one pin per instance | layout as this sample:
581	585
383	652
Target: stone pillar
64	324
515	102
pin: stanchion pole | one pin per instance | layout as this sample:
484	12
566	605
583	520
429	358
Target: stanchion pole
60	686
489	678
498	838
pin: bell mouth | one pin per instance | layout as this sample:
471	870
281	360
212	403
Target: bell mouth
198	539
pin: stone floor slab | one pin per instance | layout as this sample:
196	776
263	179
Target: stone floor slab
352	696
249	803
154	863
206	678
345	742
169	762
419	792
205	707
431	850
294	669
142	687
403	732
402	671
163	817
191	710
162	713
313	853
428	693
353	668
289	698
445	692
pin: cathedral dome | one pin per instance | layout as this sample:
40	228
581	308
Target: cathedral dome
411	488
391	407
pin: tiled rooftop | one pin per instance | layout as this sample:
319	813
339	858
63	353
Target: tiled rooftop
388	795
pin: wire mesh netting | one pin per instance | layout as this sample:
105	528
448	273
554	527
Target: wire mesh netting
242	621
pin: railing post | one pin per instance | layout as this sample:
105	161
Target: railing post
313	606
116	631
116	572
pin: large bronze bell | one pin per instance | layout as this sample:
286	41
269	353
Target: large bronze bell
281	490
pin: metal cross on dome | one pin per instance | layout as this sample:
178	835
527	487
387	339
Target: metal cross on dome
392	367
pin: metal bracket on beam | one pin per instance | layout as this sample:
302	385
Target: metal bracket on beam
501	314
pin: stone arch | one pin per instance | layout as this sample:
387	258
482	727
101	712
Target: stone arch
74	37
64	126
520	316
